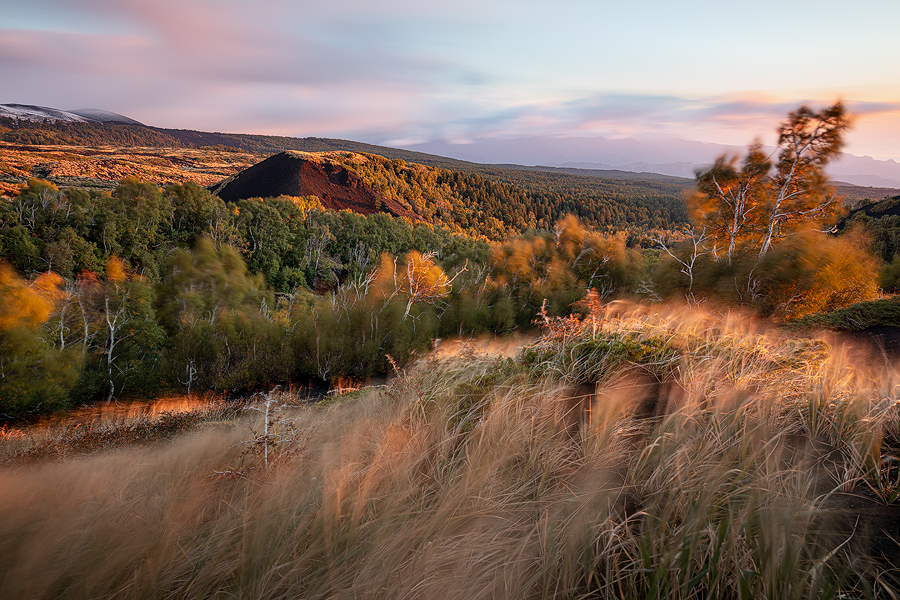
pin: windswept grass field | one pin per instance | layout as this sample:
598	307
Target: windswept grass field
626	455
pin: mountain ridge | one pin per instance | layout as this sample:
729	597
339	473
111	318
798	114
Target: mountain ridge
118	130
673	157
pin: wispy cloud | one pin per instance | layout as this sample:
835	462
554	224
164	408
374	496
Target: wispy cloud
423	69
728	119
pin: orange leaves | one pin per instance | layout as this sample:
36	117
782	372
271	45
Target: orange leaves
419	278
423	280
24	305
115	269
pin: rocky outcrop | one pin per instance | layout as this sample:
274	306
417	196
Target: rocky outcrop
295	174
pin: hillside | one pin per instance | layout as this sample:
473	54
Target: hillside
585	183
501	202
93	127
302	174
102	167
881	221
493	203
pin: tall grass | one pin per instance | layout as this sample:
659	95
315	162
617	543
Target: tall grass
628	455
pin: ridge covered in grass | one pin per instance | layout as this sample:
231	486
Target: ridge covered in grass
769	471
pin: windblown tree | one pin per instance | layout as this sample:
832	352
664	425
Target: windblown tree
33	374
760	201
809	141
757	237
730	200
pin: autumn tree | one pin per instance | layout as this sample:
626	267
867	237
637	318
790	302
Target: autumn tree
729	200
419	279
33	374
762	201
799	190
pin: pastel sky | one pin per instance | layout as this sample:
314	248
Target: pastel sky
402	71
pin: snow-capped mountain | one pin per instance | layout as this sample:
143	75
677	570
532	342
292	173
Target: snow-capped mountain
30	112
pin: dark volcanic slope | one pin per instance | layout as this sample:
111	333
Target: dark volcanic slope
294	175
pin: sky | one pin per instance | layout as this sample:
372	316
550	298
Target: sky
398	72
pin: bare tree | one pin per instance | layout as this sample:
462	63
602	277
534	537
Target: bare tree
689	263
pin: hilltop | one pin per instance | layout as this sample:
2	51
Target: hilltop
306	174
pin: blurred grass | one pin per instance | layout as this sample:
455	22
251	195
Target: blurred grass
479	476
862	315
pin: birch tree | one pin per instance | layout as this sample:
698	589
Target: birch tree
762	201
799	189
729	199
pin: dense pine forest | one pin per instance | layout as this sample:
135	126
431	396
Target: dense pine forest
495	207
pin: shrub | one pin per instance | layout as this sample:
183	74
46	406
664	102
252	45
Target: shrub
889	276
812	272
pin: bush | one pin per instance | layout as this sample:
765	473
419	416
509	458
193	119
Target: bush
805	273
812	272
889	276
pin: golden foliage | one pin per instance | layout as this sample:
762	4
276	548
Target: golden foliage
811	272
419	278
115	269
24	305
304	203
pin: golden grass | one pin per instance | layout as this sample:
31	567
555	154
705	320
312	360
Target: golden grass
469	478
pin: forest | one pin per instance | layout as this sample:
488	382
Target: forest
144	290
494	208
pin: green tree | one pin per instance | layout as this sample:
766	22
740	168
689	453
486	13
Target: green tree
194	211
132	222
133	336
220	322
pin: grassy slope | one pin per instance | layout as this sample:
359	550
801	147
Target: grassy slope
477	477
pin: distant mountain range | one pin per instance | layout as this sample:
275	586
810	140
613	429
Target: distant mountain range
675	157
588	156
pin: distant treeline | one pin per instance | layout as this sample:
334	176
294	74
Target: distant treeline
516	201
881	222
49	132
